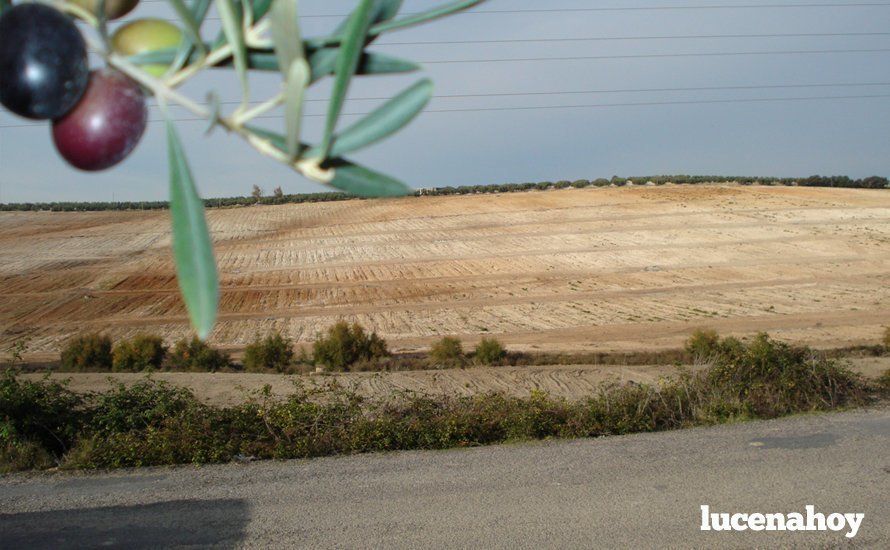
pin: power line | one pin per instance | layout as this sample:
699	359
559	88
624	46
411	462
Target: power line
584	92
651	56
621	9
608	91
619	38
552	107
611	9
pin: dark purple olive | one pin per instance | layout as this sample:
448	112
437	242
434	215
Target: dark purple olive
106	124
43	62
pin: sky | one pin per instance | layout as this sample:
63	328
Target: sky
543	132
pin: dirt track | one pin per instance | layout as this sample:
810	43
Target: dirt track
571	381
599	269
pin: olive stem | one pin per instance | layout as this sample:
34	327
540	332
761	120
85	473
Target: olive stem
216	56
260	109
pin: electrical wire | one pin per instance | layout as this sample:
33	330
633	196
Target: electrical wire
551	107
637	38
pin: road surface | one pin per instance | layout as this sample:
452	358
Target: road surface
636	491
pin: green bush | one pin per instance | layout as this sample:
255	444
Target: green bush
274	352
447	353
197	356
702	344
489	351
43	414
140	353
87	352
886	339
345	345
774	378
135	407
151	423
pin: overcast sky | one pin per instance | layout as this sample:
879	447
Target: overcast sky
790	138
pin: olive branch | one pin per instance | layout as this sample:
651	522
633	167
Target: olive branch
264	35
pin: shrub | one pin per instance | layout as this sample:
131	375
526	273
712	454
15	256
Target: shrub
489	351
87	352
145	403
773	378
346	345
886	339
702	344
274	352
44	414
140	353
447	353
151	423
197	356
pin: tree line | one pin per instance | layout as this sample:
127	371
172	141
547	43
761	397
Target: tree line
278	197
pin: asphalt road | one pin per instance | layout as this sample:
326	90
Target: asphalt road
635	491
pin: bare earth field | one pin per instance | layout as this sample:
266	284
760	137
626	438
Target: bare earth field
611	269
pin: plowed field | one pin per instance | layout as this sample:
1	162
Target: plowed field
631	268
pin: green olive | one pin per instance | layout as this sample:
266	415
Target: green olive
147	35
113	8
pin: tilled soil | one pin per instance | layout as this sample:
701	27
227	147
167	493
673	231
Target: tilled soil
607	269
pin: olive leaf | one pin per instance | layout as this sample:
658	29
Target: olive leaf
292	61
386	10
260	8
347	62
322	61
286	33
213	103
416	19
192	248
364	182
297	80
231	22
383	121
349	177
190	24
187	47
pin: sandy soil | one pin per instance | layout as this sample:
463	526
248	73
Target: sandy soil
591	269
572	382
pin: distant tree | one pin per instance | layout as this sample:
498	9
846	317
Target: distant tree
447	352
489	351
197	356
142	352
278	193
257	193
345	345
274	352
86	352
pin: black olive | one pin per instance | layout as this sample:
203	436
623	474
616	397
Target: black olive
43	62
